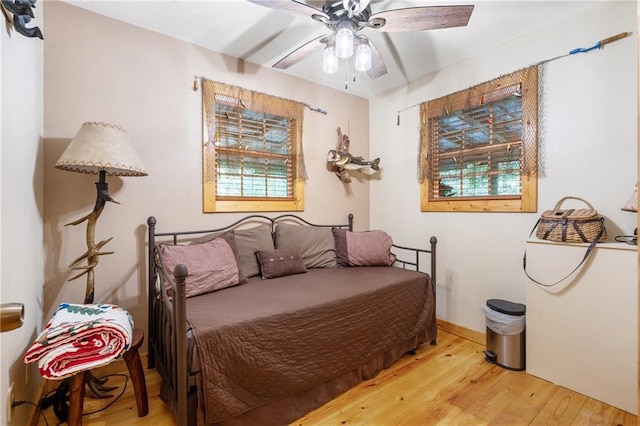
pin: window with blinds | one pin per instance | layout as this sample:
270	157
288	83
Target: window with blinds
252	150
481	147
255	153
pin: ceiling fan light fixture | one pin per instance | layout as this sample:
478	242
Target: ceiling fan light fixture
330	62
363	56
344	39
345	18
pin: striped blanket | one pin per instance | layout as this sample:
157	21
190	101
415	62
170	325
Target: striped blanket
80	337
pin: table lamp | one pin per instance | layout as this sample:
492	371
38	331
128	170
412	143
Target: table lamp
631	206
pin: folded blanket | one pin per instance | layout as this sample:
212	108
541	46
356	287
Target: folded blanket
80	337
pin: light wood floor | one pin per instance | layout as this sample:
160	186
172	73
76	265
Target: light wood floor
447	384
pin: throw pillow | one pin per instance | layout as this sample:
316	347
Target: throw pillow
281	262
368	248
248	242
212	265
316	244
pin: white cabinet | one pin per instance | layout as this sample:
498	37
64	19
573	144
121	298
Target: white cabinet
583	333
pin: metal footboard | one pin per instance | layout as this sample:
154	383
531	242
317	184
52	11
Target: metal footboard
410	257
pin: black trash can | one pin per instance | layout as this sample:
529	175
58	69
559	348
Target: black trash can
505	333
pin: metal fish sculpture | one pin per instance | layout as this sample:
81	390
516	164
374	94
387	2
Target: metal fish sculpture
341	160
347	161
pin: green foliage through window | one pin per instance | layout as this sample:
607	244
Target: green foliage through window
252	150
481	144
254	153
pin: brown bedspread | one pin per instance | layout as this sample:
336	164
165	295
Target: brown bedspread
267	340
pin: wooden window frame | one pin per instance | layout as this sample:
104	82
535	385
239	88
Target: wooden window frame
259	102
526	201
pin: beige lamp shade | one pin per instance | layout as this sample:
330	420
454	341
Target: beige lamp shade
632	204
101	147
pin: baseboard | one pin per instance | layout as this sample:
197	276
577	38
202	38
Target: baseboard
474	336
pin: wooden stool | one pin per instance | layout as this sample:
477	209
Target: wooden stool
134	365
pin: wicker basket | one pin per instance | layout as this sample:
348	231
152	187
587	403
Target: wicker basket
571	225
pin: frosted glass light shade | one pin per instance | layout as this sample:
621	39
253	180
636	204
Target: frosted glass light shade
363	57
330	61
344	40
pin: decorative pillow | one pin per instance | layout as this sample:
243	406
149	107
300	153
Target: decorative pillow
369	248
316	244
281	262
248	242
212	265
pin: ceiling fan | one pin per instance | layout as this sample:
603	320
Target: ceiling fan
345	18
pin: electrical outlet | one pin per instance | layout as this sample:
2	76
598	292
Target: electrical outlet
11	397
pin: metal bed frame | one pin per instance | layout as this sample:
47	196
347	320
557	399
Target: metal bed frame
167	311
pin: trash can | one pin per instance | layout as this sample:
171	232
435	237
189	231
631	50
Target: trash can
505	333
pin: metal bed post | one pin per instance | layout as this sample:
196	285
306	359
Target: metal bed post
181	382
151	224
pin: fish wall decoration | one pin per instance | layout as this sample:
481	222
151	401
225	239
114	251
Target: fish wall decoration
342	161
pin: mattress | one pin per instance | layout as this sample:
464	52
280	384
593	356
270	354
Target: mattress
269	340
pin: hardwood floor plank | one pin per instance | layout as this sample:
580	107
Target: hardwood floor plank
404	391
530	396
472	383
447	384
562	408
594	412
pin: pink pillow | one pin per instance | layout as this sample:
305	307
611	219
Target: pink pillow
369	248
212	265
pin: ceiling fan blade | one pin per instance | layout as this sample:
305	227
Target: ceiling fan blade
301	53
422	18
378	68
292	7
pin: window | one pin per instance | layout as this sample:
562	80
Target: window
479	147
252	156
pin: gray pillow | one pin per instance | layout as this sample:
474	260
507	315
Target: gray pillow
248	242
316	244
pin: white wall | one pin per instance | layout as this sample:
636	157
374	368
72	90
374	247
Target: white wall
21	252
99	69
589	150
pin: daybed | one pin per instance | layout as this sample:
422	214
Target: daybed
267	319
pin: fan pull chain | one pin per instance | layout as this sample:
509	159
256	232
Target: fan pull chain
346	79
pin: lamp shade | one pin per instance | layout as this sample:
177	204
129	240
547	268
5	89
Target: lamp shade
101	147
632	204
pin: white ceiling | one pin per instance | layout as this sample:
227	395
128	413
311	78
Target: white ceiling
262	36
